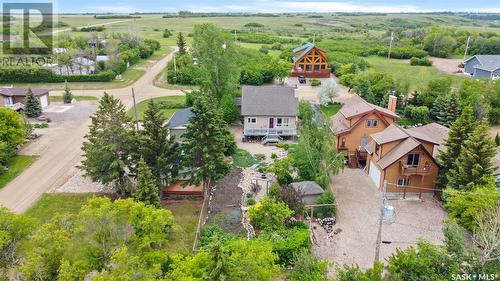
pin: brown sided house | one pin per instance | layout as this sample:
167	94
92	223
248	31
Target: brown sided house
310	61
405	158
356	121
15	97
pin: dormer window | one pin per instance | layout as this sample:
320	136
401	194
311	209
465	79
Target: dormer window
372	123
413	159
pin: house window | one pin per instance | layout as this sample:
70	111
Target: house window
371	123
316	67
377	149
308	67
413	159
364	141
403	182
343	142
251	120
282	122
8	101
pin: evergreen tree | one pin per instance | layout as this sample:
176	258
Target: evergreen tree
205	142
32	108
474	166
438	110
67	95
219	267
497	139
452	109
110	145
147	190
158	150
459	132
181	43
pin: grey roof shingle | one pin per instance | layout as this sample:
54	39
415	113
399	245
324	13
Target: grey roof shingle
21	92
307	188
180	118
269	101
487	62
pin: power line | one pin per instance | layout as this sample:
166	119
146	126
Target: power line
435	189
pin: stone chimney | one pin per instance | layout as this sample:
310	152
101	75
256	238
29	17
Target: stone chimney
393	102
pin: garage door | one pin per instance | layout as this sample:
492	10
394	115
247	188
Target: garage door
374	174
44	101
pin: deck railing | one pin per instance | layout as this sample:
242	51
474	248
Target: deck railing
415	169
266	131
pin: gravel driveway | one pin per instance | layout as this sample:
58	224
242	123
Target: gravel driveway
358	210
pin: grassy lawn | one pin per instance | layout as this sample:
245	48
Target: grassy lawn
51	204
78	98
330	110
243	159
167	101
417	77
16	166
186	215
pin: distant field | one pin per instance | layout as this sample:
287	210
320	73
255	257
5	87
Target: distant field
416	76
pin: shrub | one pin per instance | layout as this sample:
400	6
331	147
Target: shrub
269	214
403	52
325	211
315	82
421	62
260	156
211	232
40	75
288	243
274	189
494	116
251	201
167	33
292	198
308	268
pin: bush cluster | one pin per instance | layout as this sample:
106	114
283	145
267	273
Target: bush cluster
38	75
420	61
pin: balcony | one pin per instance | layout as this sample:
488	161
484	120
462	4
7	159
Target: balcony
283	131
322	73
414	169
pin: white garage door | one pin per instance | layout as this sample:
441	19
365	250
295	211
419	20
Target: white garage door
375	174
44	101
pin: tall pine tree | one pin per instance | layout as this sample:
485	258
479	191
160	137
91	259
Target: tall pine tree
181	44
32	108
459	132
159	151
205	143
452	109
109	145
474	166
438	110
146	190
67	95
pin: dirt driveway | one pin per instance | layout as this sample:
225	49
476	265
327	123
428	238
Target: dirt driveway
358	211
448	66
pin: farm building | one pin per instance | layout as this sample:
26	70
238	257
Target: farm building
15	97
310	61
483	66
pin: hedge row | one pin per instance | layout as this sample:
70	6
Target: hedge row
402	52
421	62
37	75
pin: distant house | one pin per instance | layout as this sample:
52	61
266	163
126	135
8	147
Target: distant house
405	158
269	112
79	66
177	124
309	191
16	97
483	66
356	121
310	61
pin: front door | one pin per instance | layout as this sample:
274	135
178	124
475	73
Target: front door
271	123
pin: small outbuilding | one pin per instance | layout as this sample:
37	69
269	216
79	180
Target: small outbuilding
483	66
15	98
309	190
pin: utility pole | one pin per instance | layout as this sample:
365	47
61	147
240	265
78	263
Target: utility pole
381	220
135	111
466	47
390	45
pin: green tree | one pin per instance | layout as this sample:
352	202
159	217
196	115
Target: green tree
181	44
459	132
67	95
216	54
109	145
497	139
159	151
32	107
280	68
308	268
205	142
474	165
219	267
13	229
269	214
12	134
147	190
438	110
439	42
354	273
452	109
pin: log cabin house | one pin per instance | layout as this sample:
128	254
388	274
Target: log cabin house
310	61
356	121
405	158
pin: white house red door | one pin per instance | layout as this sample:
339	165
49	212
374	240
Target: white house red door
271	123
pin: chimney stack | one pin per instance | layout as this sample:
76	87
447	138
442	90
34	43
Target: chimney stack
393	102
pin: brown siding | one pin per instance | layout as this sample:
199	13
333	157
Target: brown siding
353	138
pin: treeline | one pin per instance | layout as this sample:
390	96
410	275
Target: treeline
41	75
92	29
116	17
188	14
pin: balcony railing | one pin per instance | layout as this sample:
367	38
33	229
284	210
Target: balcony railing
266	131
415	169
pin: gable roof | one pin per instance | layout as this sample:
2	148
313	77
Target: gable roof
180	118
304	49
397	152
269	100
487	62
21	92
438	133
307	188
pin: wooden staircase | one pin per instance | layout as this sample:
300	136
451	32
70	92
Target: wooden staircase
353	159
271	139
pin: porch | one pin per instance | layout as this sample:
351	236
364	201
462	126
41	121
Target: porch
262	132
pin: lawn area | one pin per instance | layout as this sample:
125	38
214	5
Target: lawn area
169	105
78	98
243	159
16	166
330	110
51	204
417	77
186	214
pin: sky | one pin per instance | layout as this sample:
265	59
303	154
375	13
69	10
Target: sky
275	6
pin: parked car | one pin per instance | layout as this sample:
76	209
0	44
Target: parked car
302	80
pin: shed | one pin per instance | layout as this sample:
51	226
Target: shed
309	190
